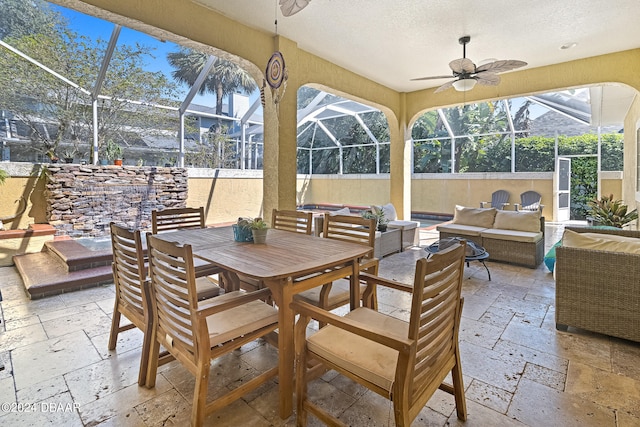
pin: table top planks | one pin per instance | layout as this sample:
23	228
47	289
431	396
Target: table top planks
286	254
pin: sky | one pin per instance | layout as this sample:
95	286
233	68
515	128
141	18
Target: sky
95	28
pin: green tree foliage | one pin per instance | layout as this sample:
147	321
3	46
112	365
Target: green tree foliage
584	181
343	135
21	18
214	150
484	145
223	80
57	112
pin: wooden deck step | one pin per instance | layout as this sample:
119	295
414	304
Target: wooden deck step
76	256
43	275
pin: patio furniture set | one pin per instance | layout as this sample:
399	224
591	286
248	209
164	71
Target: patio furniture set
509	236
159	289
398	235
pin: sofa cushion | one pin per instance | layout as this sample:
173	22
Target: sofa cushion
460	229
512	235
389	211
343	211
601	242
476	217
404	225
518	221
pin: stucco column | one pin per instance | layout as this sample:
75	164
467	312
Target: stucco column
400	152
280	123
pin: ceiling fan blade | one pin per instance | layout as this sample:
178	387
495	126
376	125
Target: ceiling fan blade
462	65
291	7
487	79
501	65
445	86
432	78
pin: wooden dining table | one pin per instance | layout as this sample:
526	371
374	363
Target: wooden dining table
288	263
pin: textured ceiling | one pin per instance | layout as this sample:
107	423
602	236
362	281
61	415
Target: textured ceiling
392	42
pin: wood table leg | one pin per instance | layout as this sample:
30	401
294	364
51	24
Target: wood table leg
282	292
354	296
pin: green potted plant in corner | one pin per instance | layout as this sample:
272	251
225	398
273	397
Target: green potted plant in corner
609	212
113	152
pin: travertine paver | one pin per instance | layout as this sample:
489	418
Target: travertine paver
518	370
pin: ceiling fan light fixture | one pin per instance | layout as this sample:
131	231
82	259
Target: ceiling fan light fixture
464	85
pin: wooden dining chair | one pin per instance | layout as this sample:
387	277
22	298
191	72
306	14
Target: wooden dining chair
177	219
130	277
353	229
403	362
181	219
195	333
290	220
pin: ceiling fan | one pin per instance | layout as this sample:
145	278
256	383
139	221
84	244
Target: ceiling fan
467	74
291	7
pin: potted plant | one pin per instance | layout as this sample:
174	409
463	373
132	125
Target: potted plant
113	152
607	211
259	230
378	215
68	154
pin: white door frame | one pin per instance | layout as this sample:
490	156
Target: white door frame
562	189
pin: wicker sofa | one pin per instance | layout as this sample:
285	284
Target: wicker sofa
599	290
508	236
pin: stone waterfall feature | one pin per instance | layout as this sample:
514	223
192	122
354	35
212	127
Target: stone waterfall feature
83	199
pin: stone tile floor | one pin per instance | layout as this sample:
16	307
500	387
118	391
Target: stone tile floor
518	370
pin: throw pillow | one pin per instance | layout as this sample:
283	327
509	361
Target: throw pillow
601	242
518	221
389	211
550	257
343	211
476	217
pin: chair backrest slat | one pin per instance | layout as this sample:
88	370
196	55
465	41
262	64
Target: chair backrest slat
349	228
290	220
128	267
177	219
172	277
499	198
435	315
530	200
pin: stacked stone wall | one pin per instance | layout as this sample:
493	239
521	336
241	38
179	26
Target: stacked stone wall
83	199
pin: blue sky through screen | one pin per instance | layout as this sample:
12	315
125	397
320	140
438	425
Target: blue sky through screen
96	28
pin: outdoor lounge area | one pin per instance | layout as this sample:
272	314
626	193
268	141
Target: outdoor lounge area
282	212
518	370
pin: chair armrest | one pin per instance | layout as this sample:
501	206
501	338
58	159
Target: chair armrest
370	279
369	264
220	304
383	337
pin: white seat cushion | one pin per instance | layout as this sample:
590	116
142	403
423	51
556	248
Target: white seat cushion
370	360
206	288
404	225
511	235
461	229
240	320
340	291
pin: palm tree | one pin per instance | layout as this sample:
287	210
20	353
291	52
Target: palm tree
224	79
